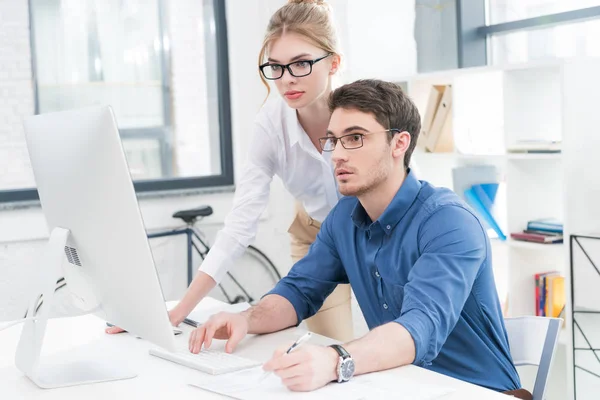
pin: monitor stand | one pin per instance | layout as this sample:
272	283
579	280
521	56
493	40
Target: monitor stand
27	357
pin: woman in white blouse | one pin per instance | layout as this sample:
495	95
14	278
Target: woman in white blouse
300	55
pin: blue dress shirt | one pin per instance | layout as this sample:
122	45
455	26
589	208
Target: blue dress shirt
426	264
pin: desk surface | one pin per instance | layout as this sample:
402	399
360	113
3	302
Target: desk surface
157	378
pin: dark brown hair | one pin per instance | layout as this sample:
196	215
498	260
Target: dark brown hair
388	103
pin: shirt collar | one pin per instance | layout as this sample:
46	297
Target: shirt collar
293	125
396	210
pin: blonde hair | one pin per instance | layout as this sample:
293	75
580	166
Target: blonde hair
311	19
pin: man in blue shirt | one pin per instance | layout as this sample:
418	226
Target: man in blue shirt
417	258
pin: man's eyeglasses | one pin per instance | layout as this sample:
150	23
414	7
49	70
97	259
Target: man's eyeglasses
297	68
349	141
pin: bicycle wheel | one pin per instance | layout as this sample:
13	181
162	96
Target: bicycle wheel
252	276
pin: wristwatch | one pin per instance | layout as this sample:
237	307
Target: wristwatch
345	367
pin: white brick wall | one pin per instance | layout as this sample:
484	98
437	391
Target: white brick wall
18	266
16	94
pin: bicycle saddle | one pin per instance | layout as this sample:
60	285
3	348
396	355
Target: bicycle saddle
189	216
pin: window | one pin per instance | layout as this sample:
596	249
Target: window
566	39
501	11
160	64
516	31
561	41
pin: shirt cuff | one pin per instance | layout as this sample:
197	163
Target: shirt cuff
216	264
420	327
293	295
221	256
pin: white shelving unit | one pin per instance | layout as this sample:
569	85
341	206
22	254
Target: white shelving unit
493	107
535	246
534	157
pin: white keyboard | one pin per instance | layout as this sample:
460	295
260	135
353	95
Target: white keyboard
212	362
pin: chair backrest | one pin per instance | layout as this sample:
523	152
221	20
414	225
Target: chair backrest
533	341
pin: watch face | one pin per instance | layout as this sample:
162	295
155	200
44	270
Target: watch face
347	370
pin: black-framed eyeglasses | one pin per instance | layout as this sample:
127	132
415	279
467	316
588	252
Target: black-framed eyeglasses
349	141
298	68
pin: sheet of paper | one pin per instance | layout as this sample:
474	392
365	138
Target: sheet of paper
250	384
390	382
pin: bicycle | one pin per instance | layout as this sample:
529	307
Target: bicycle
260	277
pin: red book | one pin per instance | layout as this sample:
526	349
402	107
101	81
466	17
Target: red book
536	237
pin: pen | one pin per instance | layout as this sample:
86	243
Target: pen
190	322
294	345
298	342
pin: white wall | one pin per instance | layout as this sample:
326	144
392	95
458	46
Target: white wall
22	231
379	39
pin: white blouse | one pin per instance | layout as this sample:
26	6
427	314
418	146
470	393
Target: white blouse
279	145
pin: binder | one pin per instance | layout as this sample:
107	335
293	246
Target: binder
464	177
483	211
435	96
439	138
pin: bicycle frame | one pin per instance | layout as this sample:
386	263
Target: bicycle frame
190	232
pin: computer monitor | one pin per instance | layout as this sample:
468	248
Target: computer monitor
97	240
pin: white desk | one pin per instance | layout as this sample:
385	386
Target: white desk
158	378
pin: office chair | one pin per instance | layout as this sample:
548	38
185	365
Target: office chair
533	341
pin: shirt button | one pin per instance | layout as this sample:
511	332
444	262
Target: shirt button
385	306
377	274
388	227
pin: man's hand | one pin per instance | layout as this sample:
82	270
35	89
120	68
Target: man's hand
307	368
175	316
220	326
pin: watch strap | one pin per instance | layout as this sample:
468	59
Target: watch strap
340	350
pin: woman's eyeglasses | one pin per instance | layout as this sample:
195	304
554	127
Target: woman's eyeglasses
297	68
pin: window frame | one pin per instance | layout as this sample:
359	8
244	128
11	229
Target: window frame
474	33
217	11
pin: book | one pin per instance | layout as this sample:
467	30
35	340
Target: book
542	232
545	225
540	290
550	294
556	295
536	237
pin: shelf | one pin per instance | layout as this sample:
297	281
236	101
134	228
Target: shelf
534	156
491	157
459	156
447	76
534	246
